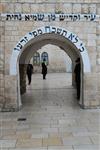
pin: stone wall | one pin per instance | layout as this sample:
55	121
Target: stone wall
50	6
12	31
2	78
66	6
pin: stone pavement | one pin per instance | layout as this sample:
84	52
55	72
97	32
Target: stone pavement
54	120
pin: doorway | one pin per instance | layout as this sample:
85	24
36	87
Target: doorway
65	40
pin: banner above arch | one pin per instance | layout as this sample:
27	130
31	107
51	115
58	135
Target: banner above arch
48	30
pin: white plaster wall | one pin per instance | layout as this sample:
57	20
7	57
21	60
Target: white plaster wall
59	61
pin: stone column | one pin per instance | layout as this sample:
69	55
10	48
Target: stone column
2	45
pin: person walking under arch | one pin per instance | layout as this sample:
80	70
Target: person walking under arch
29	72
77	72
44	69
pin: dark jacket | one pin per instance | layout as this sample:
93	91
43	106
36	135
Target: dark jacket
44	68
29	69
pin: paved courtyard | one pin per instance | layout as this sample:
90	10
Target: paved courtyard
54	120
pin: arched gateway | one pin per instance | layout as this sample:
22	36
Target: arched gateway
34	40
70	38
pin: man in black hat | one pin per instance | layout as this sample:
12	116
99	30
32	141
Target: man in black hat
29	72
77	71
44	69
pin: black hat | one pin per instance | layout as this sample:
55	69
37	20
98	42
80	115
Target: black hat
77	60
44	59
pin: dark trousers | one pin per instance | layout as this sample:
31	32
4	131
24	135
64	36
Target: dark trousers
78	90
44	75
29	78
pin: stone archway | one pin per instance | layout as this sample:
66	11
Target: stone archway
35	39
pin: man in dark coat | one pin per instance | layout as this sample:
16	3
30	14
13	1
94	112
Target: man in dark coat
77	71
44	70
29	72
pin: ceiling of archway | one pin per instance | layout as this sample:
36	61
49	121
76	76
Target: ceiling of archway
40	41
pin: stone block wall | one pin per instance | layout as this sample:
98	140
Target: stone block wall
10	93
51	6
12	31
2	79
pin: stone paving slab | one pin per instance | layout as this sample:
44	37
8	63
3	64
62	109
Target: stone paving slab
6	132
60	148
76	141
52	141
95	139
87	147
7	143
29	143
18	136
40	135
